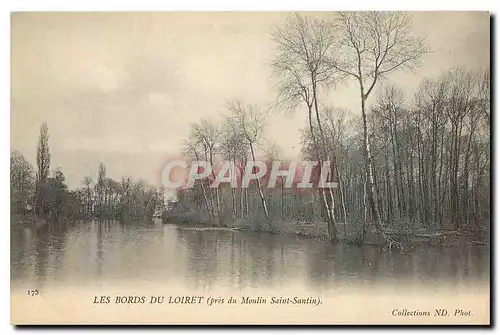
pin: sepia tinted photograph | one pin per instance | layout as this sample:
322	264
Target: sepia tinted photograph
250	168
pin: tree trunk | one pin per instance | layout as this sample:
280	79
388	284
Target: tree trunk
246	201
365	213
282	200
341	185
233	198
369	171
261	195
332	228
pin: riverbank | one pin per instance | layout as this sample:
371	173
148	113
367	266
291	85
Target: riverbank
316	231
349	233
30	220
26	220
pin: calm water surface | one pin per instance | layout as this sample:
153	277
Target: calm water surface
108	252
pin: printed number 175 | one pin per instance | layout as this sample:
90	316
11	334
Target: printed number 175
33	293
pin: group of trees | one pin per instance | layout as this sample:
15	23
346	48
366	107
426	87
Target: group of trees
404	162
45	194
110	199
433	155
236	141
430	154
38	191
22	182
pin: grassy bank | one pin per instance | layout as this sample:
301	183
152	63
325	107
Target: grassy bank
307	230
346	233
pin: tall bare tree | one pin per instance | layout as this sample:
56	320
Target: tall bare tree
302	65
251	122
43	166
234	149
87	182
274	154
372	45
193	147
100	188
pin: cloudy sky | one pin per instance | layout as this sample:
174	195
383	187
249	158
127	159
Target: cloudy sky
123	88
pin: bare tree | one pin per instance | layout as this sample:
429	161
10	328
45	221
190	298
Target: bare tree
302	65
193	147
233	148
251	122
336	124
372	45
274	154
206	132
43	166
87	182
100	188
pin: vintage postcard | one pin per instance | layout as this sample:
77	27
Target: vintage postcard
250	168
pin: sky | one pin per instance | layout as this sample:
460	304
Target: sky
124	88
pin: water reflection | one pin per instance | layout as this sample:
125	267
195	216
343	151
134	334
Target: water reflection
104	252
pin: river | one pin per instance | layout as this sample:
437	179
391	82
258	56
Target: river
101	253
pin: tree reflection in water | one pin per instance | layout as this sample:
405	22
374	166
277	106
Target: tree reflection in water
108	251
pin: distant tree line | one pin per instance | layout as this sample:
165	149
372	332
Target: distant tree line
46	195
